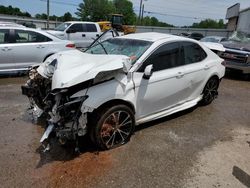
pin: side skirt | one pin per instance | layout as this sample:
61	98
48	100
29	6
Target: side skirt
169	111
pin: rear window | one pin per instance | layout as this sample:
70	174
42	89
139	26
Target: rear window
192	52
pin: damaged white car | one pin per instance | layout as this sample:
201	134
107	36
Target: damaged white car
122	82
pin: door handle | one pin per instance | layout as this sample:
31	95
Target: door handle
179	75
206	67
6	49
83	35
40	47
97	35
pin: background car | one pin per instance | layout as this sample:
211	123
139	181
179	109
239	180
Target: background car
237	53
81	33
196	36
216	39
21	47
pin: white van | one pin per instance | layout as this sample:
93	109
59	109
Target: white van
81	33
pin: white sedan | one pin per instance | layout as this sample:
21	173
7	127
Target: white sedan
126	81
21	47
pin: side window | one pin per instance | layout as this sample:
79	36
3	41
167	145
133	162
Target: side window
4	36
22	36
193	53
165	57
91	28
77	27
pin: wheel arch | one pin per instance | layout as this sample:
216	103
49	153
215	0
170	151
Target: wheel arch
114	102
50	54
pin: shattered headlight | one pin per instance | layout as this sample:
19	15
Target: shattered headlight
51	67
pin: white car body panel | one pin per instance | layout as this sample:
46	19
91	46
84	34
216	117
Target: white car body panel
84	66
20	56
81	39
214	46
165	92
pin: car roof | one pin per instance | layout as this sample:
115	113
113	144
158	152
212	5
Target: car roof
44	32
10	24
153	36
79	22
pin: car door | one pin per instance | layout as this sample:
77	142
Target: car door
166	86
77	33
196	67
30	48
6	51
91	33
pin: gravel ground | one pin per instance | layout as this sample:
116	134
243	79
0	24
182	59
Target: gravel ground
201	147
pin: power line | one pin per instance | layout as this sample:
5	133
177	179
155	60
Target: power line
181	10
61	3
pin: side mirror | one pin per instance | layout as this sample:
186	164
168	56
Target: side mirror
148	72
71	31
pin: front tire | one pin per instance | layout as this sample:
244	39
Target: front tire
112	127
210	91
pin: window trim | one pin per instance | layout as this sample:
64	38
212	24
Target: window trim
182	47
29	32
143	61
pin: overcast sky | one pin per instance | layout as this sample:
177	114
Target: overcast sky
176	12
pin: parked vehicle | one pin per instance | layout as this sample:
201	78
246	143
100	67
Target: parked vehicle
237	53
216	39
122	82
196	36
10	24
81	33
116	22
22	47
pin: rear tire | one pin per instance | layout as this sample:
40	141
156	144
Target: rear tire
112	127
210	91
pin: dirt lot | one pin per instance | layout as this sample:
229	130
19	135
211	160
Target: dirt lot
202	147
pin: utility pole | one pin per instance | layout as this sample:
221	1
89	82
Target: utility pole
140	11
47	14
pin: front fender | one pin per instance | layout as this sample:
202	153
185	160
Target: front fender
107	91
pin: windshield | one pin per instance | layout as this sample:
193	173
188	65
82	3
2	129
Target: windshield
240	37
120	46
62	26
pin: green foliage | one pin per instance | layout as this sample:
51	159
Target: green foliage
209	23
125	8
41	16
95	10
152	21
13	11
66	17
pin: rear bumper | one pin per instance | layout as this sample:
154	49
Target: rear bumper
244	67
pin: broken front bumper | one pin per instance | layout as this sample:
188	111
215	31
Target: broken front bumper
28	91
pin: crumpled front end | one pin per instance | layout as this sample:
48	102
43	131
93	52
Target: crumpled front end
53	84
36	89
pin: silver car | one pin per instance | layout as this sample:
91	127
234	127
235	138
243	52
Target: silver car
22	47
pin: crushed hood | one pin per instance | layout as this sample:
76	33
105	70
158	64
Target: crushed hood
75	67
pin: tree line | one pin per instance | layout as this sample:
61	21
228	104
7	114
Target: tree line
100	10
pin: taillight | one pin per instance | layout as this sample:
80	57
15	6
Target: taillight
70	45
223	63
